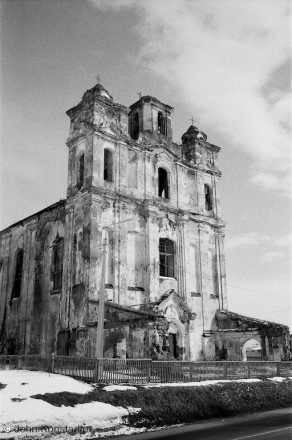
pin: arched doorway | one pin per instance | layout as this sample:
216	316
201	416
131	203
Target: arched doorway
173	340
251	351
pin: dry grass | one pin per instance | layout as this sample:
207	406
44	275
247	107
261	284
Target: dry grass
170	405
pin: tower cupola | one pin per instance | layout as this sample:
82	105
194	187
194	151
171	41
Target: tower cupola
150	119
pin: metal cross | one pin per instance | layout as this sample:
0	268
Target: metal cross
98	79
139	94
192	121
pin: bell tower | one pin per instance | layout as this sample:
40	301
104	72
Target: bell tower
150	120
94	117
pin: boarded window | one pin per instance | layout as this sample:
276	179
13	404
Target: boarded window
163	183
166	258
18	275
108	166
81	170
208	197
57	266
135	126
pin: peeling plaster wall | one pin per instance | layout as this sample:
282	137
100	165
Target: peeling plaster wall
128	212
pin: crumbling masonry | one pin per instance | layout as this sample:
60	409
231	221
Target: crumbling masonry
157	204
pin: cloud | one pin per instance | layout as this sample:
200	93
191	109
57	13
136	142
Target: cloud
223	60
250	239
244	240
269	256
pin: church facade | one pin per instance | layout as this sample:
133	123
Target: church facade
141	225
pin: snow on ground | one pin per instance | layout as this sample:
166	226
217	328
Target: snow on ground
29	416
32	413
198	384
278	379
118	388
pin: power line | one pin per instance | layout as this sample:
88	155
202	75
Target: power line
257	291
274	311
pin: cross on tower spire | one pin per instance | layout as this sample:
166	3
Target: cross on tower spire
192	119
98	79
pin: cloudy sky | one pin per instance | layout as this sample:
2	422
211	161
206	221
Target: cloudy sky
224	62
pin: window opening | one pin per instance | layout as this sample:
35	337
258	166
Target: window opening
58	251
135	129
208	198
18	274
108	166
162	183
161	123
166	258
81	170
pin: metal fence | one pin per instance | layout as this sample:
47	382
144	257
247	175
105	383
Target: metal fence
139	371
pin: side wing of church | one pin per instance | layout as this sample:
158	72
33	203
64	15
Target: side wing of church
157	206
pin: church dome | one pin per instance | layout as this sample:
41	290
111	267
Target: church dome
193	134
98	89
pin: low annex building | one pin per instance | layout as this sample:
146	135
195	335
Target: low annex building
157	204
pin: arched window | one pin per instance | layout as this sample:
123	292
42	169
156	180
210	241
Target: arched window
57	263
208	197
18	275
81	170
163	183
108	166
166	258
135	126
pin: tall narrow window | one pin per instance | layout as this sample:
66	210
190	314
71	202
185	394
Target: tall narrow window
18	275
57	267
166	258
108	166
81	170
208	197
135	126
161	123
162	183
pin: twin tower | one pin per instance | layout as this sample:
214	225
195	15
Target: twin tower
158	205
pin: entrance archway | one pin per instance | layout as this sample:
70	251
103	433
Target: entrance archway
175	339
251	351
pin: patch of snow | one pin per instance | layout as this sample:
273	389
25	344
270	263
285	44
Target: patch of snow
118	387
38	382
133	410
198	384
277	379
33	413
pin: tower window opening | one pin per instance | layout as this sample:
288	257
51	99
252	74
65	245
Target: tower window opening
18	275
57	263
166	258
135	126
161	123
163	183
208	197
108	166
81	170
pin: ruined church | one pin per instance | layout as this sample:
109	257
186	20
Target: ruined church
141	226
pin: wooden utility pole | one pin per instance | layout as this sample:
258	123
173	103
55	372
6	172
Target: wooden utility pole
100	318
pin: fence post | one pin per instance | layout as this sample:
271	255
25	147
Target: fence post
248	370
53	362
191	371
149	367
225	369
95	370
278	368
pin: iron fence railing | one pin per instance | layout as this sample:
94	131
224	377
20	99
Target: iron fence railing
141	371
